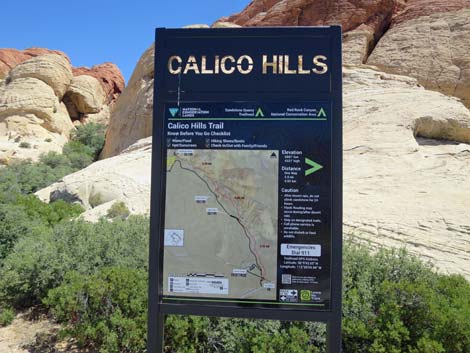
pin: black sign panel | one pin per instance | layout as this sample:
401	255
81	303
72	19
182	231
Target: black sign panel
246	184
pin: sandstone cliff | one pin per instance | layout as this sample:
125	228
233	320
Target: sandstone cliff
42	97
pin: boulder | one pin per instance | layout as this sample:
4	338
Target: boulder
125	178
110	77
131	118
221	24
28	96
32	120
356	45
53	69
432	48
86	95
9	58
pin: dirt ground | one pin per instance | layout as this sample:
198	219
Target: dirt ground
33	332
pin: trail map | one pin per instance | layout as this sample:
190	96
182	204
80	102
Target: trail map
221	220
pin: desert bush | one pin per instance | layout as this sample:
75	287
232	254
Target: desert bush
395	303
118	210
91	135
39	263
25	145
25	215
7	315
107	309
78	154
28	177
95	200
14	223
48	214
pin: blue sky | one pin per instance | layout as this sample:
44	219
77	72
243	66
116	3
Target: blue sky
92	32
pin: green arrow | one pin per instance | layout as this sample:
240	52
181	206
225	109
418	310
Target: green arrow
259	112
315	167
321	113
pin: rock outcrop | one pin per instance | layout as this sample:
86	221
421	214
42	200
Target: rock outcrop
433	48
420	8
41	100
32	118
110	77
362	21
406	168
9	58
53	69
365	22
86	94
132	114
125	178
406	161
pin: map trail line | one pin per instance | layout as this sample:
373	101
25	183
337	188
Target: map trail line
262	278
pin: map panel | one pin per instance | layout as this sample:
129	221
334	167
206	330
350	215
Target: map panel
221	224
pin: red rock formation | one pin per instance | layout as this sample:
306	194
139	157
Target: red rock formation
9	58
109	76
373	15
418	8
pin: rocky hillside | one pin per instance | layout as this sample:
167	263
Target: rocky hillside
406	124
404	185
42	98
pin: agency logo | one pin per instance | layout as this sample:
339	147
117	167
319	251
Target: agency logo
173	111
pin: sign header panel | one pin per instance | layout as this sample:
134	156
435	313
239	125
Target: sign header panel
249	63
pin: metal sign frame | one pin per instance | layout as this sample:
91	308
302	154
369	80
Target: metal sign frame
158	309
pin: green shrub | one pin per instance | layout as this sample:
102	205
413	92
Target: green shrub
95	200
118	210
184	334
54	160
25	144
39	263
14	223
91	135
106	310
27	177
26	215
394	303
7	315
78	154
48	213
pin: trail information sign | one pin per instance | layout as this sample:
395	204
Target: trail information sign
247	176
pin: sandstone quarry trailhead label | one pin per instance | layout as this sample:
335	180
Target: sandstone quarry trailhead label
248	203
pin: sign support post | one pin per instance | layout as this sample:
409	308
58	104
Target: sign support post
246	199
